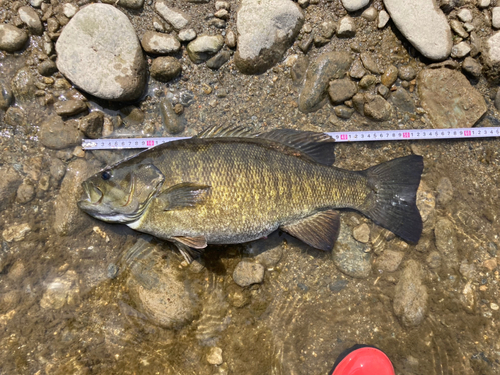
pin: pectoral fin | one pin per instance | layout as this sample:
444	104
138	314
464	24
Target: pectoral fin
199	242
183	195
319	230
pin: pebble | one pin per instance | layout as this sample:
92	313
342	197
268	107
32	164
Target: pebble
434	259
383	18
9	183
132	116
70	107
390	76
328	29
16	233
341	90
424	25
5	97
407	72
159	43
56	135
69	10
247	273
354	5
92	125
204	47
370	14
357	70
131	4
377	108
98	51
465	15
217	23
30	17
444	191
350	256
61	291
446	242
411	298
25	192
402	100
230	39
347	28
12	39
173	16
460	50
222	5
361	233
343	111
187	35
383	91
441	90
14	116
389	260
457	27
328	66
36	3
472	67
170	120
367	82
484	3
370	63
68	217
165	69
218	60
266	29
222	14
214	356
47	68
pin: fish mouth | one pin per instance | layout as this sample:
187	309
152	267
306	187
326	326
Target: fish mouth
91	194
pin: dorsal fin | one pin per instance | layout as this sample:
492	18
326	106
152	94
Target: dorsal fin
229	131
319	146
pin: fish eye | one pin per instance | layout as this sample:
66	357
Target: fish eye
105	175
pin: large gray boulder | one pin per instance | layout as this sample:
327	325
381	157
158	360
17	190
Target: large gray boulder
99	52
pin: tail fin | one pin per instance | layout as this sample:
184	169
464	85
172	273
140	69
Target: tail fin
392	202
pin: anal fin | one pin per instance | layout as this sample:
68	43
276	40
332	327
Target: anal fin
319	230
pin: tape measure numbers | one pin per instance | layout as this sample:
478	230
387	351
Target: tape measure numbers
355	136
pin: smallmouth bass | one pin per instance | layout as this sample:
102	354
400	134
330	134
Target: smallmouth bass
228	186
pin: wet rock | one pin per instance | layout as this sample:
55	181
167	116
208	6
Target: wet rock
434	259
350	256
203	47
266	29
159	43
446	242
31	19
187	35
9	183
98	51
173	16
407	72
170	120
328	66
218	60
377	108
367	82
410	299
165	69
383	18
472	67
70	107
57	169
16	232
68	217
357	70
383	91
214	356
390	76
132	116
5	97
23	86
14	116
158	291
361	233
55	134
343	111
347	28
237	296
230	39
370	63
248	273
354	5
468	298
341	90
460	50
424	25
389	260
92	124
47	68
131	4
426	202
444	191
402	100
449	98
25	192
61	291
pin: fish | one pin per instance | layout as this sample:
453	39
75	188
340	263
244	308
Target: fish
231	185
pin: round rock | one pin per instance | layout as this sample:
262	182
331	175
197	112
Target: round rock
248	273
203	47
165	69
266	29
31	19
341	90
98	51
159	43
12	39
424	25
354	5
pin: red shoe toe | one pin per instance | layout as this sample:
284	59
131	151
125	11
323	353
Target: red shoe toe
364	361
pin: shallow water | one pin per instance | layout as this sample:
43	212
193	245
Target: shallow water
97	301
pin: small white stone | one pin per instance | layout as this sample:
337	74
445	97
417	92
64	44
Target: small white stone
175	17
383	18
494	306
36	3
465	15
484	3
347	28
222	14
370	14
16	232
361	233
460	50
354	5
69	10
495	17
469	27
187	35
494	47
222	5
214	356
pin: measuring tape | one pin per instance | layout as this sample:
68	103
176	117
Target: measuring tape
357	136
